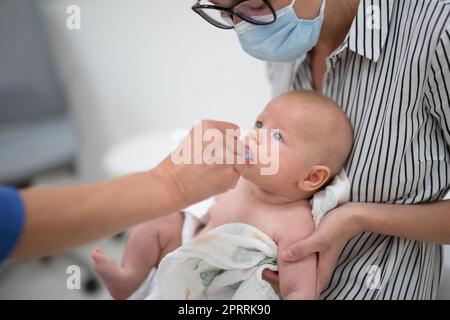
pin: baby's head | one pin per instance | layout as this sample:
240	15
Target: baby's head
314	141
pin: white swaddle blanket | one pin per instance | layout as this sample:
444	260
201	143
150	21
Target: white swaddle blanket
224	264
336	193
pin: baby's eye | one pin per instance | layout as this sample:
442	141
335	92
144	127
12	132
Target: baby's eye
258	124
277	136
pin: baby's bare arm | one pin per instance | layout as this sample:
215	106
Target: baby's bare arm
297	279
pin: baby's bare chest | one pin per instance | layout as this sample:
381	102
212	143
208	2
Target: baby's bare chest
236	209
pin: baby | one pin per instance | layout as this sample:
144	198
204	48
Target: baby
315	139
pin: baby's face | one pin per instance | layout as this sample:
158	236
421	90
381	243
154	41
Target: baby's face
282	132
307	135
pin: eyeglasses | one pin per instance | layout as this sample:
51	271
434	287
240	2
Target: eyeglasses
258	12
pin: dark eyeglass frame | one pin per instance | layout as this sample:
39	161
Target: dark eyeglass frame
197	8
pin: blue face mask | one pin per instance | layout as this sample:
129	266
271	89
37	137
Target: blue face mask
285	40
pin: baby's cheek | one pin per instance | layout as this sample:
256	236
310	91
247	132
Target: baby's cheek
278	166
268	157
291	164
282	155
273	149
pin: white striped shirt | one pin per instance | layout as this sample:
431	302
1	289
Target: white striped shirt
394	84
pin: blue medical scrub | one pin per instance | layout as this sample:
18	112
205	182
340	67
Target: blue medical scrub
12	217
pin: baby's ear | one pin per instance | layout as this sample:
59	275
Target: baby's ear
315	179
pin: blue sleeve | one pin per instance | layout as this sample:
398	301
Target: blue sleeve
12	217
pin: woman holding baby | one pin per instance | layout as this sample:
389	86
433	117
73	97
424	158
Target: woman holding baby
387	64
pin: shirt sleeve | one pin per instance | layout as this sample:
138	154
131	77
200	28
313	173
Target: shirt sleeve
437	88
12	217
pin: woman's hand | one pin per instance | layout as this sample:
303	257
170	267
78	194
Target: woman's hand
194	171
328	241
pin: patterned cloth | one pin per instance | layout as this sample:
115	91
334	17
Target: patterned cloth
224	264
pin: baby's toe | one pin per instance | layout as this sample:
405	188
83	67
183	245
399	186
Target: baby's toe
98	255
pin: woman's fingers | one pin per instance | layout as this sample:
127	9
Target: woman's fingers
303	249
321	272
326	264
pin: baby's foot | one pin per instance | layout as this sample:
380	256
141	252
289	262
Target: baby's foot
115	277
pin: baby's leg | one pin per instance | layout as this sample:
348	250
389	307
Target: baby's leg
147	245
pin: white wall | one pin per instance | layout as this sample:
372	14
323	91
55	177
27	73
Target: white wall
148	65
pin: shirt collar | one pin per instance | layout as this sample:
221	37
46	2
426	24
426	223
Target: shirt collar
370	28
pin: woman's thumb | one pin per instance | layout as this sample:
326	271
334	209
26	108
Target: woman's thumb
301	249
